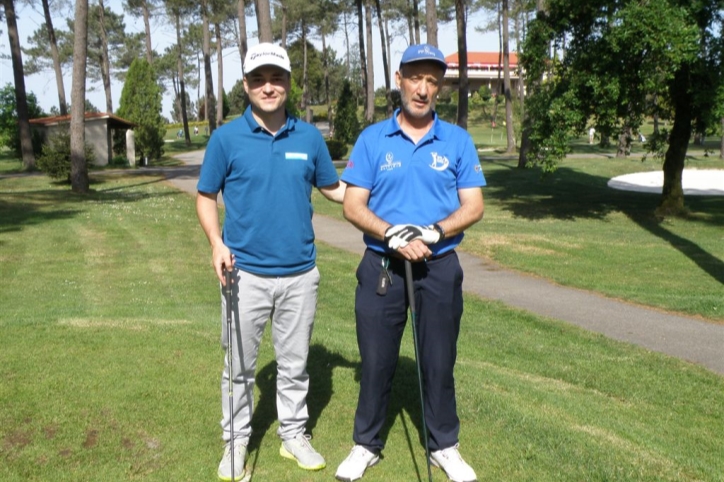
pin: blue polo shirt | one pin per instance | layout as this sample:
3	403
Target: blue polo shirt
266	182
414	183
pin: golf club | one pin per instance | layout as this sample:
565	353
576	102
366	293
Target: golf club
413	315
229	338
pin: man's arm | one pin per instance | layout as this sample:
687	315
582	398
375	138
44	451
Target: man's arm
356	212
470	212
208	214
334	192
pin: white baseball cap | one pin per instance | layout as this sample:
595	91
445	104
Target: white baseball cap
266	54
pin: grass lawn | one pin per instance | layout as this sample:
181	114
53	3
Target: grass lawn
110	361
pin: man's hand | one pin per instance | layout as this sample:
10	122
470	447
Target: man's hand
400	235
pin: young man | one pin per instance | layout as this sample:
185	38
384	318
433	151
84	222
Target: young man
413	187
265	163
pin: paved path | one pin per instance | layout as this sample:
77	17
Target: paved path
680	336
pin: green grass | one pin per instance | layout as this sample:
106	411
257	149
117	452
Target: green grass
110	364
571	228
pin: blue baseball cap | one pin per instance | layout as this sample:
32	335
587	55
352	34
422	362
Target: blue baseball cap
416	53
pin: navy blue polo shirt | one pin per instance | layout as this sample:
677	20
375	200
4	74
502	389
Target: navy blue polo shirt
414	183
266	182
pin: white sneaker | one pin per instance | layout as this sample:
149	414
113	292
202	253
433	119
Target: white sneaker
299	449
224	471
354	466
450	461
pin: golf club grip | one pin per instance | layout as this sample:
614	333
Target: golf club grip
410	287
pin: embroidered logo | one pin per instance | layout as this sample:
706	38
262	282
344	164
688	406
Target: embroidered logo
350	164
390	163
439	163
479	169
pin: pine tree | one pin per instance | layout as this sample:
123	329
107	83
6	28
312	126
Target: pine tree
346	124
141	104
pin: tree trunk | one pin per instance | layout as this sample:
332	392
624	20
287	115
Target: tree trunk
209	100
105	61
362	54
721	145
534	84
498	89
21	101
181	82
624	142
464	86
305	88
431	22
325	66
506	82
220	76
62	103
284	26
416	21
147	27
243	46
370	107
383	41
672	195
263	20
78	168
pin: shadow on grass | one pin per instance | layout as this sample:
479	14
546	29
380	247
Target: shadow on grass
405	398
19	209
320	365
570	194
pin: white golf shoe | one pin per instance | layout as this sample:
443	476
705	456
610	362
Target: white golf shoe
224	471
300	449
354	466
450	461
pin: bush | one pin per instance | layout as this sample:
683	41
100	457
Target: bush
55	157
337	148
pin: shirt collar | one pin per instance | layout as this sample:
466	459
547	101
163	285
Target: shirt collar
289	125
436	131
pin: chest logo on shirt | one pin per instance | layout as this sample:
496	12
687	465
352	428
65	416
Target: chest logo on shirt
439	163
390	163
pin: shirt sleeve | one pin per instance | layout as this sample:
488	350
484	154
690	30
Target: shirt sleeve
325	172
213	169
470	172
359	167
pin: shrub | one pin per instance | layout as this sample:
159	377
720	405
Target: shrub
337	148
55	157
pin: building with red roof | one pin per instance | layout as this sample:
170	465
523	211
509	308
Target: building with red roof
484	69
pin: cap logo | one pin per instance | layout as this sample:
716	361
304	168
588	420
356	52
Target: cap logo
263	54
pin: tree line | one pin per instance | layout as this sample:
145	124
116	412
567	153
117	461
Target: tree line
608	63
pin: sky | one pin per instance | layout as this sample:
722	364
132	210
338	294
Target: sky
43	85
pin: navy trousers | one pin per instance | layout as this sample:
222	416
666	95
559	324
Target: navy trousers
381	321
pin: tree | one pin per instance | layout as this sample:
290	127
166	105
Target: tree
385	65
464	86
346	124
370	95
62	104
78	166
210	99
9	132
506	81
141	104
618	54
144	9
431	22
263	20
21	101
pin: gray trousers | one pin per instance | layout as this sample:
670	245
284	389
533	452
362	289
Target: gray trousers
290	302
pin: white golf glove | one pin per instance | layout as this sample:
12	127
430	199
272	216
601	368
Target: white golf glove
400	235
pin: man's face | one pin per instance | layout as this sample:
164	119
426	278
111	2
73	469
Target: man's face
419	83
267	88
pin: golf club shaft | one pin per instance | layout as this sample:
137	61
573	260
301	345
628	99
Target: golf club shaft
229	357
413	315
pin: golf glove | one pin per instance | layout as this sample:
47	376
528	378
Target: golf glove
400	235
